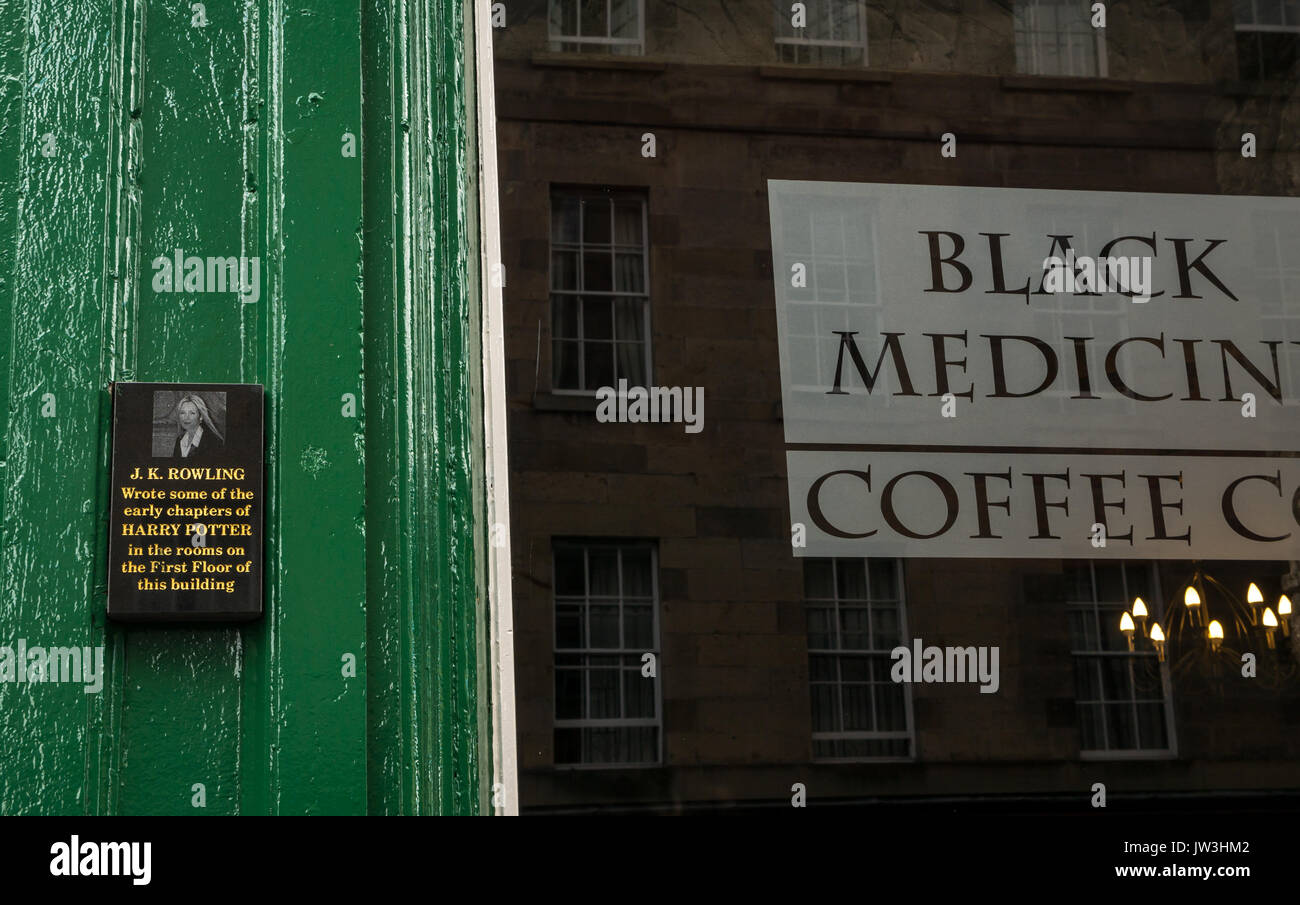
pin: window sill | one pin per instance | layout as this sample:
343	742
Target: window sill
825	73
1255	88
1128	755
564	402
833	761
1065	83
595	61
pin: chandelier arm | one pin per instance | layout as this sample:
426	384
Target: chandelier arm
1240	611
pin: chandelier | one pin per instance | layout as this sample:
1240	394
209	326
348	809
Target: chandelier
1213	630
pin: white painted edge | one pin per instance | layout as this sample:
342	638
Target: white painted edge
500	595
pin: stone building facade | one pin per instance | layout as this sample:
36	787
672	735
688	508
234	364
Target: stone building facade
684	539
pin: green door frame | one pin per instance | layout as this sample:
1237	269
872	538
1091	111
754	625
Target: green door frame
143	127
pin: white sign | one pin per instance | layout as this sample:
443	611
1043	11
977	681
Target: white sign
1122	368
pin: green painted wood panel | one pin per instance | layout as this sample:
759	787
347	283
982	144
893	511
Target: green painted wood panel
227	139
55	317
427	651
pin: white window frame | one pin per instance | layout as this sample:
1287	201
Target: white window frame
587	545
1061	314
611	196
611	43
1253	25
830	314
1285	269
505	750
869	735
1114	609
783	18
1034	66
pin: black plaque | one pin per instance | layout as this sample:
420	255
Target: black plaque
185	518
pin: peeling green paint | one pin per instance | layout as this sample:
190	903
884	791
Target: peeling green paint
227	139
426	596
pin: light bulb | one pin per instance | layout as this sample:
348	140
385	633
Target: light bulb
1139	609
1270	627
1158	639
1190	597
1253	594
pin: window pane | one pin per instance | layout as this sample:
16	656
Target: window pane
603	625
629	272
1120	727
597	322
636	573
885	629
569	631
851	575
638	695
597	273
627	223
564	364
564	317
598	358
604	746
568	693
1083	628
1151	725
817	579
884	579
1108	621
624	15
638	627
1055	37
564	220
642	744
855	669
857	708
825	708
595	21
821	631
1115	682
1138	578
602	566
595	221
1077	582
1110	584
1092	733
603	682
1087	679
568	746
822	668
564	273
630	363
629	319
854	628
891	712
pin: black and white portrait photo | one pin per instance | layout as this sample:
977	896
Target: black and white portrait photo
188	426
